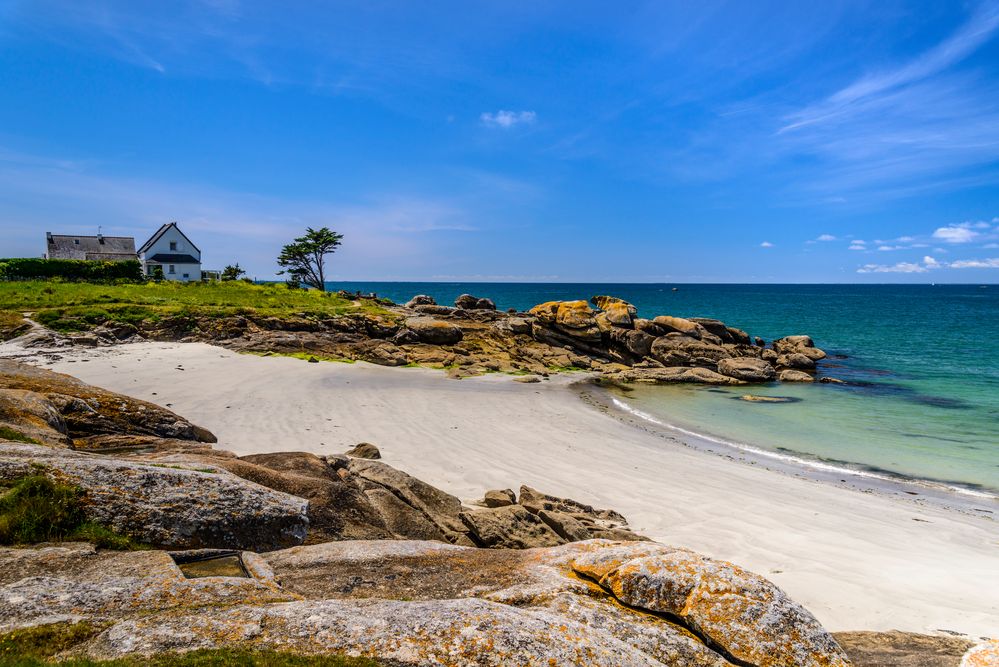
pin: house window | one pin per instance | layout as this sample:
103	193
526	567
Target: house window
171	269
76	241
173	245
186	276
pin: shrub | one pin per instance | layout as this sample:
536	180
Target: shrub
36	509
28	268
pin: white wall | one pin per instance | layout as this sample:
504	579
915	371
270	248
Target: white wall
182	247
162	246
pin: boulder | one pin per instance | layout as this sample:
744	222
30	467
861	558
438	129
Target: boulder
715	328
749	369
441	508
576	319
635	343
381	352
619	312
499	498
511	527
800	345
469	302
364	450
673	375
795	360
434	332
545	312
337	508
791	375
177	506
565	525
88	410
649	327
405	337
421	300
738	336
669	323
401	519
442	311
742	613
34	416
902	649
678	350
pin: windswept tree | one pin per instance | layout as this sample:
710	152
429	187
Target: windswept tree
305	260
233	272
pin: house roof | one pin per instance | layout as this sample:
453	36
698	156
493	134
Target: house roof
160	232
166	258
65	246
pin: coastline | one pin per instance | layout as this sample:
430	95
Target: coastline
859	558
949	495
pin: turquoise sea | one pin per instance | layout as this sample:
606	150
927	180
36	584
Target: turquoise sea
922	363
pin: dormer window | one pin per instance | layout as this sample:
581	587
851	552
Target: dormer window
76	241
173	245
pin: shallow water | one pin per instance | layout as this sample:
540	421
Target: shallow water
922	362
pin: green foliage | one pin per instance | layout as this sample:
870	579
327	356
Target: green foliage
69	307
233	272
29	268
36	509
10	434
38	646
304	260
157	274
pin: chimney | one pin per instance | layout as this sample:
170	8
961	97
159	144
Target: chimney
100	237
48	238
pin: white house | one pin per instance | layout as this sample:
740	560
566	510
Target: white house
171	249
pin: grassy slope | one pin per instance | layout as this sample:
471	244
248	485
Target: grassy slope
79	306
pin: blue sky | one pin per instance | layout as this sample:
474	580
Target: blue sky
558	141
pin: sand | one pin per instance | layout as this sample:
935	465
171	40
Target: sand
858	560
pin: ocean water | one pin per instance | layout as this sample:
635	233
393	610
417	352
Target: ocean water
922	363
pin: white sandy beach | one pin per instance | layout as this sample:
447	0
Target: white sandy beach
859	561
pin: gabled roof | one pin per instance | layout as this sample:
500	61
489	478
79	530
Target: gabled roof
65	246
167	258
160	232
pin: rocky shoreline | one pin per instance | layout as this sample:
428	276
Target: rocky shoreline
346	554
473	337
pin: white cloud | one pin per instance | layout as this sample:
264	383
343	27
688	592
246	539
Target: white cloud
961	233
991	263
508	119
826	237
857	246
766	244
901	267
931	262
991	246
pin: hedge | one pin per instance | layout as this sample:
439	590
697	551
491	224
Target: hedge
27	268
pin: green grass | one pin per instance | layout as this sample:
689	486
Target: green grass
34	647
36	509
10	321
66	306
10	434
302	355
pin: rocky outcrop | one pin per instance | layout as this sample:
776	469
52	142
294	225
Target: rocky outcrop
511	527
421	300
791	375
173	506
418	603
434	332
902	649
364	450
63	406
469	302
672	375
749	369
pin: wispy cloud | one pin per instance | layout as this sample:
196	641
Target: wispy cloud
899	132
507	119
991	263
968	38
766	244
